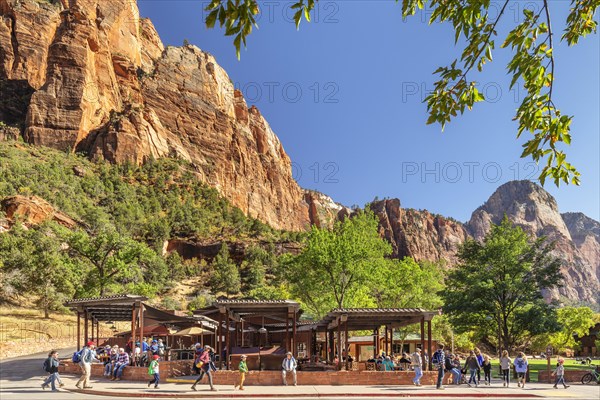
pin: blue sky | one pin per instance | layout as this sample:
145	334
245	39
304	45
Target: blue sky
344	96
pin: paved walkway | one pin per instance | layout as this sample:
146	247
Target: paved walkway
21	379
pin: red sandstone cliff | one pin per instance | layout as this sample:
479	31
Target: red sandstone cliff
97	78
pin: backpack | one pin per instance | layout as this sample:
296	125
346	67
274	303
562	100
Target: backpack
77	356
448	365
435	360
47	366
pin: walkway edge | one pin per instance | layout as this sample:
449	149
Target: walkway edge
221	395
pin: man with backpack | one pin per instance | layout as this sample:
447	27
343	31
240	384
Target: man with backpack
85	358
438	360
51	367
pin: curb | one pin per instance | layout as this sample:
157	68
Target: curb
220	395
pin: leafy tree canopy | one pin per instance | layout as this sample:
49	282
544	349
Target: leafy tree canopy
497	287
531	42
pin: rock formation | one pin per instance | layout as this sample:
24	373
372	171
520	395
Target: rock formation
97	78
419	234
31	211
577	237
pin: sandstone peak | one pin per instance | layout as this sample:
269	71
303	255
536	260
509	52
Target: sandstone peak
526	204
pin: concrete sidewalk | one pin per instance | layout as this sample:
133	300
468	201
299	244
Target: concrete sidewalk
182	389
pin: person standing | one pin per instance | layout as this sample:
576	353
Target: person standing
120	365
417	364
87	357
560	374
438	362
243	368
479	356
289	366
161	348
473	365
153	370
51	367
487	370
505	363
206	368
521	365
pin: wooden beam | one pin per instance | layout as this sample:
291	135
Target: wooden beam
423	343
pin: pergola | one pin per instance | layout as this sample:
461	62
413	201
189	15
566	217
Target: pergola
256	315
356	319
125	307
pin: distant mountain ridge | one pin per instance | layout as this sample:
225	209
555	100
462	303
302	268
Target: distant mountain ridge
423	236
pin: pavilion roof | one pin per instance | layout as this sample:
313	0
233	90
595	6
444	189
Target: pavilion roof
372	318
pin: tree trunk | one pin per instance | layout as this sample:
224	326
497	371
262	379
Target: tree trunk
65	4
46	313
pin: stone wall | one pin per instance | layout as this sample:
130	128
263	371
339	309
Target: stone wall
573	376
173	369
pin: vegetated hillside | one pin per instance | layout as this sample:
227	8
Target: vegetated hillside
148	207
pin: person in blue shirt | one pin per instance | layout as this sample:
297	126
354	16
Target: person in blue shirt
154	348
145	345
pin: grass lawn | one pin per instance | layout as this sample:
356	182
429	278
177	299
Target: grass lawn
537	364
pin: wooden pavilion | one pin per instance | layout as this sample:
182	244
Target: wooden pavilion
250	327
93	311
339	322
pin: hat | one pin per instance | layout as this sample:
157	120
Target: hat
289	353
561	361
418	349
197	345
90	343
243	356
155	357
154	341
207	346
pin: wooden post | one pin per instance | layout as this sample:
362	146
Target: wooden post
133	327
98	331
141	324
85	328
392	341
294	344
375	352
346	346
287	331
339	344
78	330
387	349
326	345
429	344
423	343
331	346
227	342
219	346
